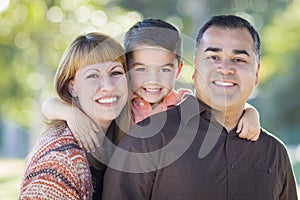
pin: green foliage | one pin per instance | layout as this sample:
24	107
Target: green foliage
279	99
32	40
35	34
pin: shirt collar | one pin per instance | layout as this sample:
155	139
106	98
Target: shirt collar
171	99
191	107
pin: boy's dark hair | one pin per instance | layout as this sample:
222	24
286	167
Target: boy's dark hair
153	32
231	22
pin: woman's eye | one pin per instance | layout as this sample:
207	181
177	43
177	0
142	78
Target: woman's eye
116	73
93	76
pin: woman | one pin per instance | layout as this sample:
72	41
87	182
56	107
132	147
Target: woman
91	76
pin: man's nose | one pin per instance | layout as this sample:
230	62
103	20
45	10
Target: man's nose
225	68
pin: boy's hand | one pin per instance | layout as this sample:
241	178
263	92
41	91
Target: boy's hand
84	130
249	125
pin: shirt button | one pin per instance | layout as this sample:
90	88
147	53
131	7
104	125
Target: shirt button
232	166
269	170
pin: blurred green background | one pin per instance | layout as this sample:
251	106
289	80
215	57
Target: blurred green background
34	35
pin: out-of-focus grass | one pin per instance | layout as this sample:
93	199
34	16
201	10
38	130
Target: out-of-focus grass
10	173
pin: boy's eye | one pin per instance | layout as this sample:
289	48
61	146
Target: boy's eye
140	69
213	58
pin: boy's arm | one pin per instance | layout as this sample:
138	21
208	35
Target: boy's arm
249	124
83	128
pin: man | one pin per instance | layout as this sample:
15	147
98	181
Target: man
193	151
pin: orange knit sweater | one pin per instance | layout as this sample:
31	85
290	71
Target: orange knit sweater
57	169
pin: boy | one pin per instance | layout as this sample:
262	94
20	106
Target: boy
153	53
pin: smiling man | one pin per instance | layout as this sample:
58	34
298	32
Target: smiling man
197	154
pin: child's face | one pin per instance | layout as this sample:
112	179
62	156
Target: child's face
152	73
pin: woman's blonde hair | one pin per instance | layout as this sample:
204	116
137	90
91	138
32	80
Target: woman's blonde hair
88	49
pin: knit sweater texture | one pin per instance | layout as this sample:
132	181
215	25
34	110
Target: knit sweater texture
57	168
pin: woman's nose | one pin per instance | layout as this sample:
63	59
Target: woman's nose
106	83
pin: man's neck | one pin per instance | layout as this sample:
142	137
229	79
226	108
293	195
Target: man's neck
227	117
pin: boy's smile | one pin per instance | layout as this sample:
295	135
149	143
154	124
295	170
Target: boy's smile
152	73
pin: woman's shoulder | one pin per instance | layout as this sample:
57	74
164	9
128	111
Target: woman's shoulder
57	159
57	144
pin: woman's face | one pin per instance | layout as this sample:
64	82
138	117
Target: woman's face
102	91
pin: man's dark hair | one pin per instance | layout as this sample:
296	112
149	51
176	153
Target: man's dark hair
231	22
152	32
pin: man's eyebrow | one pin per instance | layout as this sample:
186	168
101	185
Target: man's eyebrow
237	51
213	49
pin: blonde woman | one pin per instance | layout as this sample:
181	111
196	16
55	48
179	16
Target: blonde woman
92	77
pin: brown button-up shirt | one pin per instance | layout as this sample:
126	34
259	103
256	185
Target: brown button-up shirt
184	153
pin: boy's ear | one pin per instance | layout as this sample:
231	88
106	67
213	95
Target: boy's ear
71	88
179	69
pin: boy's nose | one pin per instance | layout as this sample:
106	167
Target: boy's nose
152	76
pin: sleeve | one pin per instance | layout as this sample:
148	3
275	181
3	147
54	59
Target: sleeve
289	187
56	178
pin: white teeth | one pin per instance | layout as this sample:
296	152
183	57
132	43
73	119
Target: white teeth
152	89
221	83
107	100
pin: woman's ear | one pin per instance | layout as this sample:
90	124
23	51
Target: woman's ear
72	89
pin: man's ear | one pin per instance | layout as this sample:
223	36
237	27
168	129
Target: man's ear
179	69
257	71
195	63
72	89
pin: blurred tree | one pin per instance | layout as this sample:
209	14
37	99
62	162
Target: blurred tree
279	99
32	41
35	34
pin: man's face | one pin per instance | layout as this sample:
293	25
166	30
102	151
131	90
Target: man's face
152	73
226	68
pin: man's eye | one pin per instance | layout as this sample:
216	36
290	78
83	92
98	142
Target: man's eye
165	70
238	60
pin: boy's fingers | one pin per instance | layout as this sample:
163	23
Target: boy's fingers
95	139
84	144
77	139
255	137
90	144
239	127
95	127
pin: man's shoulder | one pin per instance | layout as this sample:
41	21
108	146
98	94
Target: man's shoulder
270	139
